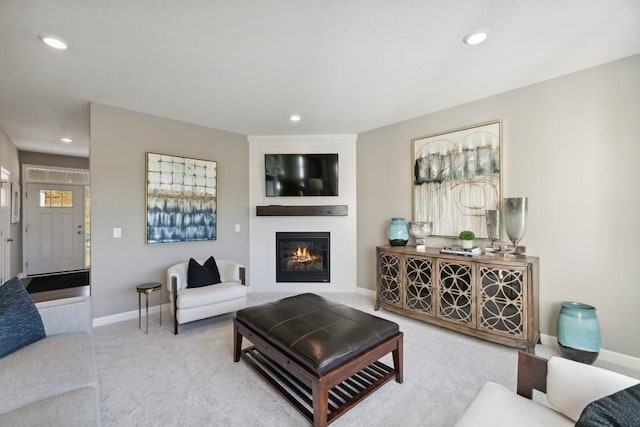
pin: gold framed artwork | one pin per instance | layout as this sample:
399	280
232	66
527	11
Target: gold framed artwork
181	196
456	177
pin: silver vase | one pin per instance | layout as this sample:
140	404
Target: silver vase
494	225
515	221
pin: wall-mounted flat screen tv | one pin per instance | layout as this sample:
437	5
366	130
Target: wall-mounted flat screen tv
301	174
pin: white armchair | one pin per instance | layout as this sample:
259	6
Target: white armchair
189	304
569	386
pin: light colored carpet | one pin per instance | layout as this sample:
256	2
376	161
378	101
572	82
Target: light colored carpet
191	380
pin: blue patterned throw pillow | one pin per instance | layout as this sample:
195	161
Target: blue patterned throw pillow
20	321
620	409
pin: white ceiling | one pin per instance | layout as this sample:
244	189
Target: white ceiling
346	66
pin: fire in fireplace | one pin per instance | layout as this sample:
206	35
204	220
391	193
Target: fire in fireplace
302	257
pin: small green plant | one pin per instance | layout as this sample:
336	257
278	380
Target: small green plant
467	235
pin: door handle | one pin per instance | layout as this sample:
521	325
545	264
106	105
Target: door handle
9	240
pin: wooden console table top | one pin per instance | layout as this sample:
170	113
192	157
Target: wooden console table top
435	252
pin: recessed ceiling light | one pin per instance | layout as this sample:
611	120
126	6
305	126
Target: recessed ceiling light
54	42
475	38
294	118
66	140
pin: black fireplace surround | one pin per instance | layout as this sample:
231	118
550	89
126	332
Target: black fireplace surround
303	256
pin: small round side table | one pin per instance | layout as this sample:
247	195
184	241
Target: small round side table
146	289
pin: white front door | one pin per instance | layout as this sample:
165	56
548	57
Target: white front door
54	228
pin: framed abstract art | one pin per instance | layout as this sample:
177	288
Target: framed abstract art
456	177
181	198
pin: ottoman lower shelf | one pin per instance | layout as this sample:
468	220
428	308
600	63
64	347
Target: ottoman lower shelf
340	398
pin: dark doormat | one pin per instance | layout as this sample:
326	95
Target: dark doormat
58	281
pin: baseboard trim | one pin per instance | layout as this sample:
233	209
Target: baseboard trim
367	292
605	355
115	318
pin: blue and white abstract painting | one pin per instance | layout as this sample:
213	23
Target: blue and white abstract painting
181	199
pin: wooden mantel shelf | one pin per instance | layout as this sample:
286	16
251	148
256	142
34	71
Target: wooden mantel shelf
301	210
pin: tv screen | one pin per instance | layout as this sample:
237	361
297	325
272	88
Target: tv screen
301	174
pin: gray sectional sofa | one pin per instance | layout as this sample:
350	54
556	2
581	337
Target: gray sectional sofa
53	382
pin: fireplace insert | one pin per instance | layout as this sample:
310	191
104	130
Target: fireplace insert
302	257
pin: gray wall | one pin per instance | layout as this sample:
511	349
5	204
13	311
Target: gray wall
119	140
571	145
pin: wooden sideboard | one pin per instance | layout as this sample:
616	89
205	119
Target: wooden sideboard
489	297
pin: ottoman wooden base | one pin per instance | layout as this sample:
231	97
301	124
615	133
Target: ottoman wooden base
320	398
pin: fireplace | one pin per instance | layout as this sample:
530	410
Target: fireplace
302	256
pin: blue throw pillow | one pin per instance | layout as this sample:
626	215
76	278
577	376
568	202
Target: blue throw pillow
620	409
20	321
202	275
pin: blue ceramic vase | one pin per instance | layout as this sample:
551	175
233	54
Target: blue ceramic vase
578	332
398	233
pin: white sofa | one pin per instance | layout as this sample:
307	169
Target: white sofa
569	386
53	381
189	304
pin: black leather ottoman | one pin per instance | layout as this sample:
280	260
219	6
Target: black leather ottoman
306	345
